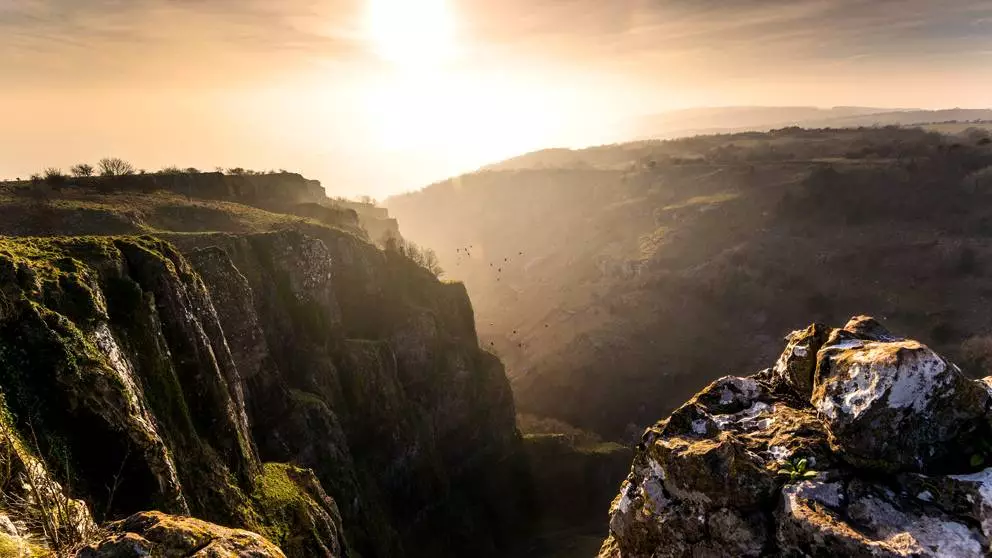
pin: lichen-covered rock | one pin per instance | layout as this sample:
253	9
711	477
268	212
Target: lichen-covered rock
299	516
895	404
166	536
861	519
787	462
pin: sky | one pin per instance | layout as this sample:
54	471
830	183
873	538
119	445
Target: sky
381	96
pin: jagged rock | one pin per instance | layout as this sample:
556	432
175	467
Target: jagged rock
710	470
797	365
966	495
895	404
157	534
821	519
760	466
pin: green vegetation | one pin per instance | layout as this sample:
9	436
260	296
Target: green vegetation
796	470
16	547
279	498
291	518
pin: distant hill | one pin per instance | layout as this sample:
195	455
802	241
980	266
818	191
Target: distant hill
714	120
615	281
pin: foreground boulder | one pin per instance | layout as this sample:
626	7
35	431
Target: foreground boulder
158	534
856	443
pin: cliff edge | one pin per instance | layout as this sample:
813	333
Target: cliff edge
856	442
301	384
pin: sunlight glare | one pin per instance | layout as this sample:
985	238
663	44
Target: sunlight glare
471	121
411	33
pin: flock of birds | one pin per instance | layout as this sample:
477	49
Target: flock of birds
497	267
466	252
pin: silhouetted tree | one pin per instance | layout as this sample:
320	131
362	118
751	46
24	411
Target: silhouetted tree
82	169
114	166
424	257
55	177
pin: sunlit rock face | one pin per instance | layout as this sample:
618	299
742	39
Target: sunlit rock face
158	534
855	443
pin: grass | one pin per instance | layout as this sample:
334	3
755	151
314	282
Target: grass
14	547
280	502
82	211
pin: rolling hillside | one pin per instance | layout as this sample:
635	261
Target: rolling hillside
611	279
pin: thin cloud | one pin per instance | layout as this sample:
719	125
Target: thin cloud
48	40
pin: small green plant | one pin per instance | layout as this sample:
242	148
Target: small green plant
982	452
797	469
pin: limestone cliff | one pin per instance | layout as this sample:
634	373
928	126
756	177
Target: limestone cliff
301	384
856	443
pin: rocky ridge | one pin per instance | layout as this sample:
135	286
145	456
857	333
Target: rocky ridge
856	442
300	384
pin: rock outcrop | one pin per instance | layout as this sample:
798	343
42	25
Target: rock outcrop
158	534
300	384
856	443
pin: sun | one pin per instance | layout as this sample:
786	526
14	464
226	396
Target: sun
411	33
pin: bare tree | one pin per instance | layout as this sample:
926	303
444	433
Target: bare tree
114	166
82	169
424	257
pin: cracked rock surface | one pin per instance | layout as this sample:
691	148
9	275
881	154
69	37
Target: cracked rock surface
855	443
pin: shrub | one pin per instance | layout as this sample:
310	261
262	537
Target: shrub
54	176
82	169
171	170
113	166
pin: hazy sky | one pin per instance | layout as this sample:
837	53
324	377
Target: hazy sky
379	96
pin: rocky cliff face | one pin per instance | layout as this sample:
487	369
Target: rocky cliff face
856	443
303	385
